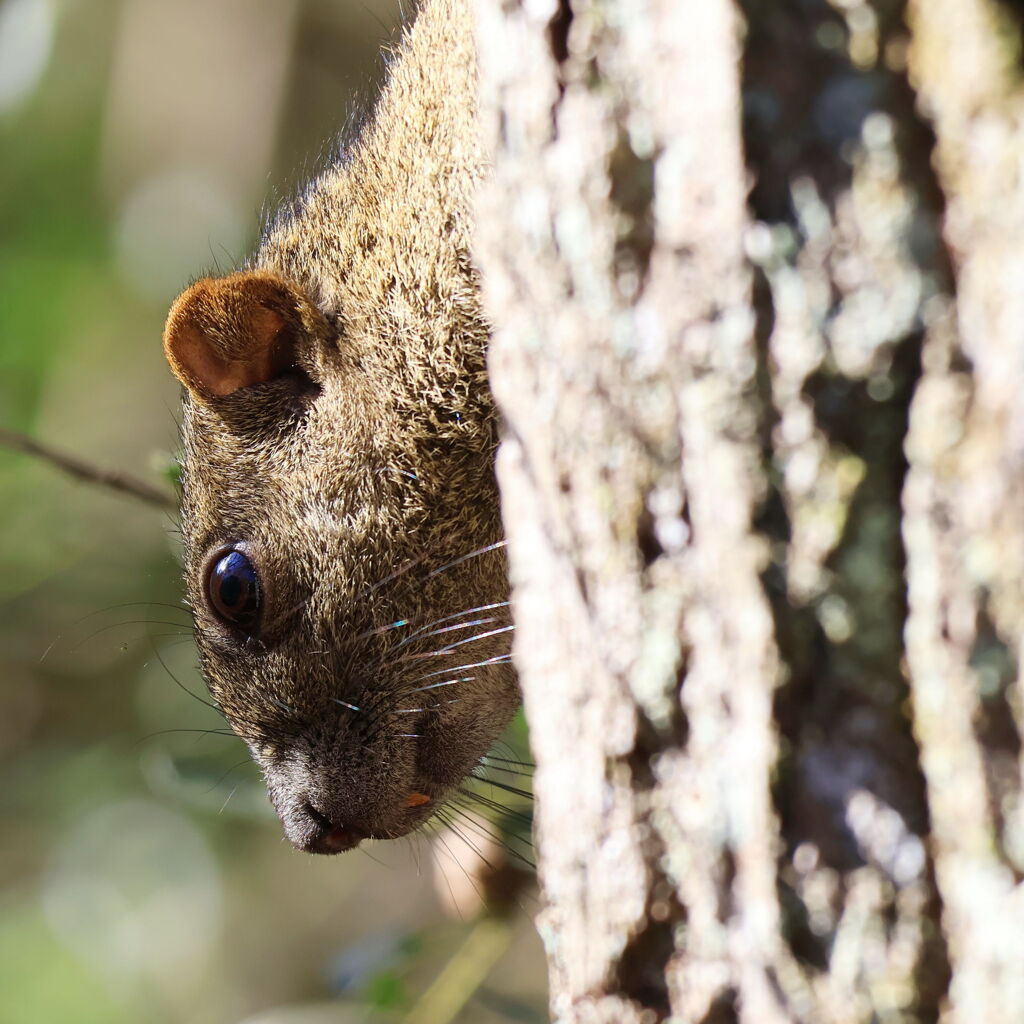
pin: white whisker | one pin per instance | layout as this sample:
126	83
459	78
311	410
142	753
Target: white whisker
445	651
405	567
447	682
465	611
480	636
466	558
413	711
444	629
383	629
498	659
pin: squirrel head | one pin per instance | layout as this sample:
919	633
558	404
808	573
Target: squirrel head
342	537
343	552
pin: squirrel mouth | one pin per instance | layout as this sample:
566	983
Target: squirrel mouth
311	830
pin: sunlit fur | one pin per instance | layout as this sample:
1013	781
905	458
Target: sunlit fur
359	498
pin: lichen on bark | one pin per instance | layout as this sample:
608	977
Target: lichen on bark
757	345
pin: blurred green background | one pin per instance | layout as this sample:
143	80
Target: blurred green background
142	873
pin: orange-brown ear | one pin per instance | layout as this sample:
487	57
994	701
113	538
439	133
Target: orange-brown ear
227	333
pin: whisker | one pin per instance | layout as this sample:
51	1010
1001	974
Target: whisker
345	704
172	640
414	846
227	801
509	789
447	682
445	651
480	636
376	860
504	841
497	806
498	768
456	615
399	623
513	756
509	760
405	567
408	473
180	684
450	824
498	659
466	558
383	629
217	782
468	611
443	629
413	711
131	604
50	646
185	630
227	733
111	608
444	874
423	654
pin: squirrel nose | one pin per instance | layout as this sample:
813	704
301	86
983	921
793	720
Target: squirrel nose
324	836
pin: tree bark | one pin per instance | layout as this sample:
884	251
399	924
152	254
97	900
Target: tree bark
756	273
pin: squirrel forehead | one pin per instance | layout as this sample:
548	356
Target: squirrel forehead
305	498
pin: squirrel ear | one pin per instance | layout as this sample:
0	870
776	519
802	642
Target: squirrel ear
227	333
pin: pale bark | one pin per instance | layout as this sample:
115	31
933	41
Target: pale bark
964	507
755	801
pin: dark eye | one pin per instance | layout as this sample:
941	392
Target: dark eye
234	591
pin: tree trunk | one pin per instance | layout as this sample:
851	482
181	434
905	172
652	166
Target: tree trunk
757	279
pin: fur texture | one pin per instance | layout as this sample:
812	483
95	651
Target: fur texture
354	470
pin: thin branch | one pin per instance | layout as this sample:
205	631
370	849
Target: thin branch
112	479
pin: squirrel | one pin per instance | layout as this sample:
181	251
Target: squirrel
343	550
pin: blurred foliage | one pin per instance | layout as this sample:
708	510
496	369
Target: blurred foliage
142	874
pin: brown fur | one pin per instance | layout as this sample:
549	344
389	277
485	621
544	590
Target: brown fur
338	425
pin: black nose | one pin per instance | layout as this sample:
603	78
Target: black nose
325	836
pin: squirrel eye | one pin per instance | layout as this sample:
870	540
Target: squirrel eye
234	591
